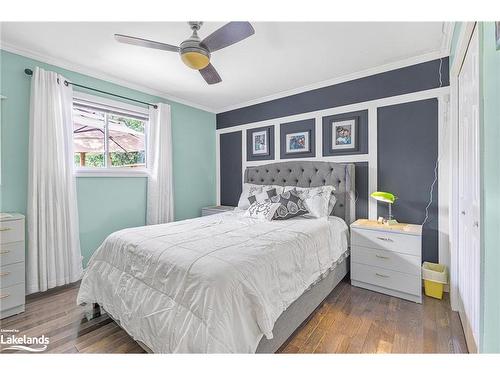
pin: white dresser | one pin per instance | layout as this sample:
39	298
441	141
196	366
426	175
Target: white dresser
387	259
12	280
212	210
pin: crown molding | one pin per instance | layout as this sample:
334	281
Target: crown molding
97	74
348	77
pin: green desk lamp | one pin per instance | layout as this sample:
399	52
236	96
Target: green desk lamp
389	198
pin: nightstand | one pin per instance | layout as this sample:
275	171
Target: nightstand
12	280
387	258
212	210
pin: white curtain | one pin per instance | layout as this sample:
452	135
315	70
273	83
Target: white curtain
54	257
160	207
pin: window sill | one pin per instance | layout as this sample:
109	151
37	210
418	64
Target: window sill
108	172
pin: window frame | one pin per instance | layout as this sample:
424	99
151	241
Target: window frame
116	107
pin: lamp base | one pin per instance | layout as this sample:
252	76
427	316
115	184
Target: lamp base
390	222
383	220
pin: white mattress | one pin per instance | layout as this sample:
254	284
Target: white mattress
212	284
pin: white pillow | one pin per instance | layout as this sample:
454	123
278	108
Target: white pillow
262	210
253	189
316	199
331	204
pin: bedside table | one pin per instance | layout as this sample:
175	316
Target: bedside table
387	258
212	210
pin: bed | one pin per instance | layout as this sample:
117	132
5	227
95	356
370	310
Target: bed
225	283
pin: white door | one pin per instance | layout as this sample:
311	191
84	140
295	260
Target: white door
469	199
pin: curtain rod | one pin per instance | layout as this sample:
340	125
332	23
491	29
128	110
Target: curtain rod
30	73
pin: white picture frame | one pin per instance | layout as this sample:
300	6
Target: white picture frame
297	142
344	134
260	143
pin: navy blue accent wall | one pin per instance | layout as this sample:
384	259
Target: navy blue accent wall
407	153
230	168
361	177
405	80
407	140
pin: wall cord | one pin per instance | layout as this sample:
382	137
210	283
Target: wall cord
445	120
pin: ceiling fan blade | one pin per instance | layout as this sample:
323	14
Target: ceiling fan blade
230	33
210	74
145	43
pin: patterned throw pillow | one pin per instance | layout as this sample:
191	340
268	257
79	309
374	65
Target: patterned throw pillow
316	199
263	196
290	205
253	189
262	210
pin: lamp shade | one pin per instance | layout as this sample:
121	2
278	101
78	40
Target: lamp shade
384	196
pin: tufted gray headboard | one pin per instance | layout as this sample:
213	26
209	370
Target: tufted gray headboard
311	173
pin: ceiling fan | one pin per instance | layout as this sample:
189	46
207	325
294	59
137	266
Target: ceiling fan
195	53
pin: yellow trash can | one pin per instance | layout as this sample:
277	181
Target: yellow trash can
435	278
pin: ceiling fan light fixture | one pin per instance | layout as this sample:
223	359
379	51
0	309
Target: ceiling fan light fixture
195	60
195	53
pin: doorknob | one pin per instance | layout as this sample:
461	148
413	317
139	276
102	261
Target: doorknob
476	224
463	212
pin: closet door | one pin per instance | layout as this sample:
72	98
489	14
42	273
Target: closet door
469	195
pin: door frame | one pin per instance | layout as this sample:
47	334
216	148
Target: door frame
462	45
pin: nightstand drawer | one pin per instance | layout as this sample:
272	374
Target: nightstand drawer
386	278
386	259
11	253
12	296
11	275
402	243
11	231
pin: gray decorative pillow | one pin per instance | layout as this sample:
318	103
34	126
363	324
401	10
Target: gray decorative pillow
290	205
263	196
262	210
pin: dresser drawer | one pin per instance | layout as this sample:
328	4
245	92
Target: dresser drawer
402	243
11	275
12	296
404	263
11	231
384	278
11	253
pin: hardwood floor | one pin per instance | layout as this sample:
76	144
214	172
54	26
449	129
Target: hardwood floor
351	320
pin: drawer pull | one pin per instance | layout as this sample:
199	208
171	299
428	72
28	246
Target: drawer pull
5	229
4	252
385	239
4	274
381	274
381	256
4	296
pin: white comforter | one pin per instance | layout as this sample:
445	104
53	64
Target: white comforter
211	284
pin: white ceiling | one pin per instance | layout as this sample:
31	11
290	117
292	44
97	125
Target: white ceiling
280	56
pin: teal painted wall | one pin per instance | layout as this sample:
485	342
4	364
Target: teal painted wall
105	204
490	184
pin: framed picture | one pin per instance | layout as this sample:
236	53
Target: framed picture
260	143
344	134
297	142
497	34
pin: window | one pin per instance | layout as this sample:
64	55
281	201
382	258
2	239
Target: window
108	138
